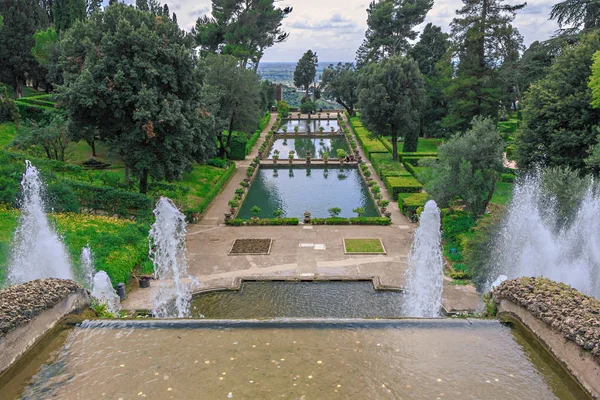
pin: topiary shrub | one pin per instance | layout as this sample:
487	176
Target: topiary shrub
402	184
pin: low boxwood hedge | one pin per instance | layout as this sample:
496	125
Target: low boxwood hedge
410	203
370	221
402	184
385	166
264	221
403	155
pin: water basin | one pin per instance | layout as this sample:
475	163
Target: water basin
298	189
314	125
316	145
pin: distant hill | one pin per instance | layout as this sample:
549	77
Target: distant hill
283	72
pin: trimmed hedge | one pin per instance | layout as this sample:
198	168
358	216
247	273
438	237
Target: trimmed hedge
237	146
385	166
264	121
403	155
264	221
369	144
116	201
402	184
410	203
352	221
34	112
216	189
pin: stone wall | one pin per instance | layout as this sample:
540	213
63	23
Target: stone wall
28	311
564	320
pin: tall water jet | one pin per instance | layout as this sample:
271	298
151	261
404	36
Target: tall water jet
86	261
104	293
37	250
425	275
531	243
168	253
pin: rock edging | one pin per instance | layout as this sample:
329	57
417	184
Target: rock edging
572	314
20	304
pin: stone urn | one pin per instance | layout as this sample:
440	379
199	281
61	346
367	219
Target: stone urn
307	217
388	215
227	217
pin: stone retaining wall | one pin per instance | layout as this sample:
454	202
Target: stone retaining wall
28	311
564	320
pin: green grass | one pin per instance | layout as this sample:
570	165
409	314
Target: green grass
428	145
503	193
363	246
8	131
119	245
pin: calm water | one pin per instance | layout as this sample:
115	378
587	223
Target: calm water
301	300
296	190
314	124
316	146
405	359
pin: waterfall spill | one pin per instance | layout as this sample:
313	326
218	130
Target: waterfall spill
104	293
168	253
38	252
425	267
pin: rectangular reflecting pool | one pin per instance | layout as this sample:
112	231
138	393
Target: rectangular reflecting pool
315	144
297	189
296	359
314	124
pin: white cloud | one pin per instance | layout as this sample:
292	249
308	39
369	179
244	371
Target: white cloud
335	28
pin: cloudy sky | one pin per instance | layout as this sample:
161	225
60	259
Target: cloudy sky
335	28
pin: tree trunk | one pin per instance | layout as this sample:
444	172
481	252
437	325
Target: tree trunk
144	181
92	144
19	84
48	153
127	175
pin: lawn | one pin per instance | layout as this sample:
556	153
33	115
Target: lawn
363	246
8	131
503	193
119	246
428	145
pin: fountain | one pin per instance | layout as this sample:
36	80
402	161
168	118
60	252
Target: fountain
37	250
531	244
86	261
425	267
167	251
104	293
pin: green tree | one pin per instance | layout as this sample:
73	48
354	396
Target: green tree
390	99
558	118
431	52
21	18
575	16
341	83
306	70
235	98
483	38
46	52
244	29
390	28
593	159
467	167
137	83
67	12
534	64
51	135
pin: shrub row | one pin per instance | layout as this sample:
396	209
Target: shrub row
263	221
352	221
385	166
264	121
415	156
214	191
369	144
409	204
402	184
117	201
34	112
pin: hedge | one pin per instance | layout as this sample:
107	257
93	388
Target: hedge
351	221
216	189
369	144
385	166
402	184
34	112
409	204
37	102
404	155
264	121
116	201
264	221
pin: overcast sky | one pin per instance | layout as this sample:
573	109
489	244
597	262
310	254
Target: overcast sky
335	28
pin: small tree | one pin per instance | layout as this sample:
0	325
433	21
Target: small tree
255	210
390	99
283	109
306	70
359	211
51	135
467	167
334	211
278	213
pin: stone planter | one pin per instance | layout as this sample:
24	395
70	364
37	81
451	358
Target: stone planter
274	161
144	282
307	217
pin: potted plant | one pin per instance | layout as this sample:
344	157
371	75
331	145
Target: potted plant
291	155
359	211
334	211
299	115
275	156
321	129
278	213
284	128
332	129
239	192
255	210
325	157
250	172
296	129
233	204
328	114
383	204
367	173
341	155
318	115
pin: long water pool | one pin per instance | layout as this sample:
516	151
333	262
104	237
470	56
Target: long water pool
316	145
314	125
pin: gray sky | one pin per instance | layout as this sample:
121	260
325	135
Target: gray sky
335	28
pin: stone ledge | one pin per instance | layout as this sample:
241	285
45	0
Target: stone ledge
28	311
